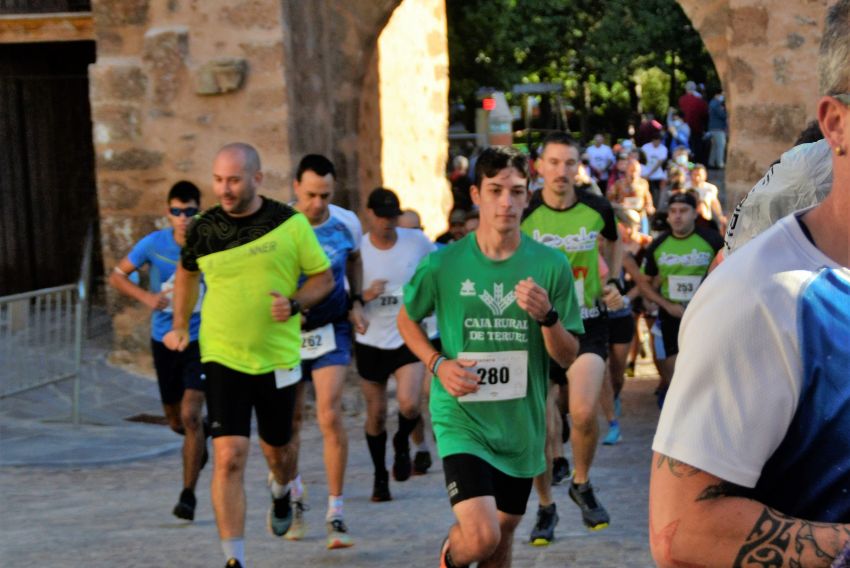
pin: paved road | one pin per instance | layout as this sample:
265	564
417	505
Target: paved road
118	514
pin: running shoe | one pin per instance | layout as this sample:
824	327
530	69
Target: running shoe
401	463
613	436
593	514
560	471
298	529
280	514
338	536
185	507
444	553
630	369
421	462
381	488
233	563
543	532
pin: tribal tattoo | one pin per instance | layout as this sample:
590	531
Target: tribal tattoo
677	468
722	489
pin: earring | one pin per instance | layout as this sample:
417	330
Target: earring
839	151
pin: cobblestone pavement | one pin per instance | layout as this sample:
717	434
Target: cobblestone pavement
120	514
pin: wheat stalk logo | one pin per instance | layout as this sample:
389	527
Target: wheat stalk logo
498	302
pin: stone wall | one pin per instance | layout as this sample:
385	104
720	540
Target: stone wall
174	80
766	54
404	113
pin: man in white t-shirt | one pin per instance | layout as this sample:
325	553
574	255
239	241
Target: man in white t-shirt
709	197
656	155
752	453
601	159
390	256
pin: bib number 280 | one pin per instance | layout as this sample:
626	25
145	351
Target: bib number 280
493	375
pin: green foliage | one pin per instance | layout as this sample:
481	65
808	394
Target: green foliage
654	90
592	47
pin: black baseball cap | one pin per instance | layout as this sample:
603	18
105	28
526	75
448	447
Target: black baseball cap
384	203
685	197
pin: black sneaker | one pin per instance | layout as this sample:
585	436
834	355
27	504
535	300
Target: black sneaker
401	462
543	532
560	471
593	514
233	563
421	462
381	488
185	507
280	513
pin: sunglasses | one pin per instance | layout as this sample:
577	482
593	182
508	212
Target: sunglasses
187	211
843	97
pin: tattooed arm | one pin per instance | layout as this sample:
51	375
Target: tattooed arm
697	519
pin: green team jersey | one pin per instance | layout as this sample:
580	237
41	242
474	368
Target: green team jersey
574	231
243	259
681	262
474	300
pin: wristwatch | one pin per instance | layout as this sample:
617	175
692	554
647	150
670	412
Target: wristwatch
550	319
294	307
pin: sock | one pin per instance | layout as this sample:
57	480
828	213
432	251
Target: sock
234	548
378	451
334	507
278	490
423	447
405	427
297	488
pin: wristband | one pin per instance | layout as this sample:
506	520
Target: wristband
616	282
432	359
357	298
294	307
440	359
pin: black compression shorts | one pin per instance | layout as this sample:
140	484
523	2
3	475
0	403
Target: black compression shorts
469	476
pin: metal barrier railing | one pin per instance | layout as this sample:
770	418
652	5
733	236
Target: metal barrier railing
41	335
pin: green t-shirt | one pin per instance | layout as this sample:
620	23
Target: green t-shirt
682	262
574	231
474	300
243	259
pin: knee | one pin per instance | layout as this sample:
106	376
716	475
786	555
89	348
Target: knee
483	539
329	419
229	461
583	420
191	420
176	425
408	408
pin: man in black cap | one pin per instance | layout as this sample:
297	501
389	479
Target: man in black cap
677	262
390	256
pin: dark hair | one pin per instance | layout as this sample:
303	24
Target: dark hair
558	138
700	167
495	159
185	191
811	133
317	164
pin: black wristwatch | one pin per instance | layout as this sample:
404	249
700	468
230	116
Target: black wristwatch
357	298
294	307
550	319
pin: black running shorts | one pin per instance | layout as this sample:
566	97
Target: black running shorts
376	365
177	371
231	395
595	337
669	332
621	329
469	476
557	374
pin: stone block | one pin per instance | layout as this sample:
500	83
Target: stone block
795	40
774	121
164	53
114	195
265	57
120	12
121	80
115	123
252	14
749	25
741	75
133	159
221	75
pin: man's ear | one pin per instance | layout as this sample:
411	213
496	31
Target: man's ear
258	178
475	194
832	121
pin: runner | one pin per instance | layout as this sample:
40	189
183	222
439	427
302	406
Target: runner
677	261
181	386
251	251
498	296
571	221
390	256
326	342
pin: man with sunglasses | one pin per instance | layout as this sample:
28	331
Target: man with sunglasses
181	385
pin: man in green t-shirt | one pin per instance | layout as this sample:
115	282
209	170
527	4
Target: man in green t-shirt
580	226
677	261
504	305
251	251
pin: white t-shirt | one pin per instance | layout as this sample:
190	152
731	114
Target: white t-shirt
396	266
762	373
653	156
350	220
707	194
600	158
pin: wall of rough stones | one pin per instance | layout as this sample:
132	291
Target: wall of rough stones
766	54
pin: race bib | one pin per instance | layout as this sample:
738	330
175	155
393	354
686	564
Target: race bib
501	376
633	203
286	377
683	288
317	342
387	305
